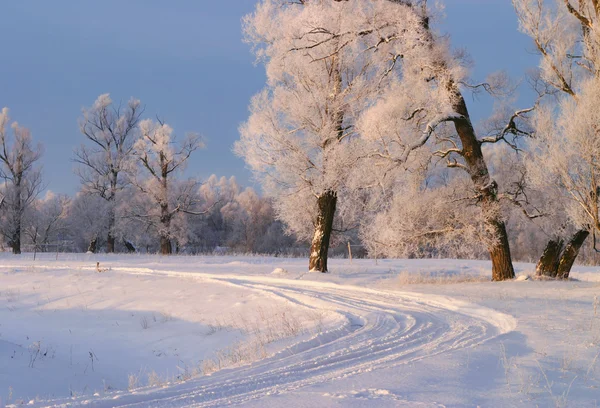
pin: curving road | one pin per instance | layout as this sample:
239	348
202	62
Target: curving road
380	329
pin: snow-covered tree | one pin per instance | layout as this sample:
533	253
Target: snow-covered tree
87	221
47	220
249	217
111	132
211	230
22	178
425	108
563	155
326	62
161	159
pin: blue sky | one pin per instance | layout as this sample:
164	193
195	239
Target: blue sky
187	63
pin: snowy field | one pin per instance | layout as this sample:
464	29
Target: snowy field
218	331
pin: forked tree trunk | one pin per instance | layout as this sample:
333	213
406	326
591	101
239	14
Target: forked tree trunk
319	249
558	259
548	263
502	267
570	253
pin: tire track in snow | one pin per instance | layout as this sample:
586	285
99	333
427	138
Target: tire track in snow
382	329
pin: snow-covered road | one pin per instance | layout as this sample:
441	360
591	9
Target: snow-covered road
380	329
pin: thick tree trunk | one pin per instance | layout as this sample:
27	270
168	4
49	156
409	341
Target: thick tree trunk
548	263
502	267
165	246
319	249
570	253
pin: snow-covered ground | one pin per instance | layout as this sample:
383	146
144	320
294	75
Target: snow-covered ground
216	331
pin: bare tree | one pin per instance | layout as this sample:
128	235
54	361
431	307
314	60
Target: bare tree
22	178
111	132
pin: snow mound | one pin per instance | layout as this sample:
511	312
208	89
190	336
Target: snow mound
279	271
522	278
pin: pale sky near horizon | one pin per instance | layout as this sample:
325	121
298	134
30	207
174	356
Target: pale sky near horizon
185	61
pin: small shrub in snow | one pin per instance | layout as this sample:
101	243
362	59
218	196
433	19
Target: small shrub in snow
154	379
209	366
133	381
37	352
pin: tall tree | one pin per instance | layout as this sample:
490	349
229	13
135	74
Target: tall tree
564	153
47	220
442	74
322	73
22	178
111	131
161	159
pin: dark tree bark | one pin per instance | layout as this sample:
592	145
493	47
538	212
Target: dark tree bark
319	249
558	259
548	263
502	267
165	246
570	253
110	243
93	246
129	246
15	241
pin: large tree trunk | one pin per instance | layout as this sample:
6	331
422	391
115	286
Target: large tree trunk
557	259
548	263
320	244
165	246
502	267
570	253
